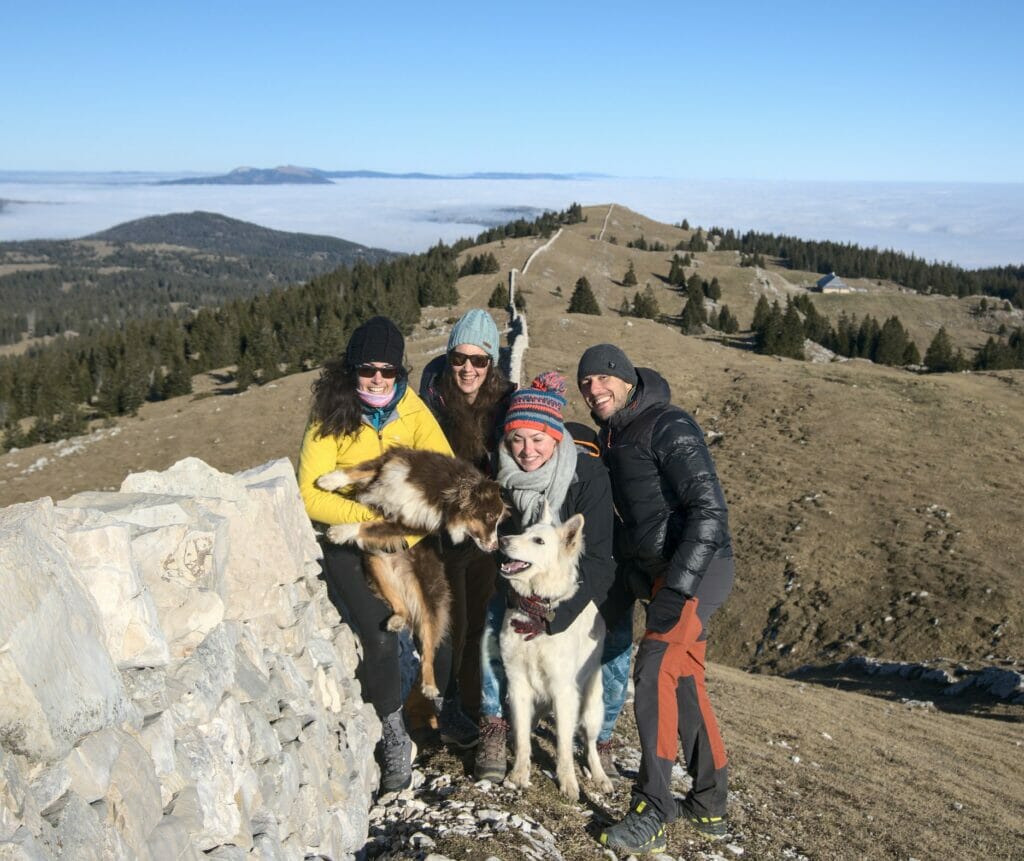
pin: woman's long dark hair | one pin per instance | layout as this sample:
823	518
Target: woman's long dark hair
336	405
470	427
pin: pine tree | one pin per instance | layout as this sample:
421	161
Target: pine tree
582	300
629	279
714	290
791	341
244	375
939	357
761	311
892	343
768	336
499	297
727	322
645	305
177	381
677	272
691	321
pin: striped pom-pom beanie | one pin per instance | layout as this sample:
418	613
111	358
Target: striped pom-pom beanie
539	406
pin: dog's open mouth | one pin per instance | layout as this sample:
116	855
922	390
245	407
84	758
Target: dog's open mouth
513	566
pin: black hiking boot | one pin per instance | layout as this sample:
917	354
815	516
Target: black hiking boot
455	728
710	827
640	830
396	752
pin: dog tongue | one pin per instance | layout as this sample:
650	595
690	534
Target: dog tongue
513	566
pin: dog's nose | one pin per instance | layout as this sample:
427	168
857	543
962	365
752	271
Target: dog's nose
503	543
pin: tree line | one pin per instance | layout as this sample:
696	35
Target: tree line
781	332
287	330
52	391
1004	282
85	288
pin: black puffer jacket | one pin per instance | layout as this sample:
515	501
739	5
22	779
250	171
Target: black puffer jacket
674	519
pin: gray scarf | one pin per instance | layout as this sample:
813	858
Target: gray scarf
550	483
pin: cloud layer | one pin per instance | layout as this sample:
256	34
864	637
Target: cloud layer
969	224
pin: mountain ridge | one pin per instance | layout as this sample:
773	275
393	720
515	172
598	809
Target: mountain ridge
290	174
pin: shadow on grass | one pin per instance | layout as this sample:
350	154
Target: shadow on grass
911	693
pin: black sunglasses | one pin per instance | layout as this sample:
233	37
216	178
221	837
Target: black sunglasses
368	371
459	359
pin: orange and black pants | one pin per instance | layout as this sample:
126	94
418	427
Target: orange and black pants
672	706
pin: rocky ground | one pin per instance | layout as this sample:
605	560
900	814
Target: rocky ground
815	773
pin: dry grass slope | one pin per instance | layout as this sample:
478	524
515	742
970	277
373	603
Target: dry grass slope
874	512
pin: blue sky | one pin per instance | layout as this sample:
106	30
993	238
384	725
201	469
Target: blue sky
891	91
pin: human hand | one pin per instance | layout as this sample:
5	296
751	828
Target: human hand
665	610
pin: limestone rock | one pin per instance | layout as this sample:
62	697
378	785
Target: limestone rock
58	678
102	550
90	763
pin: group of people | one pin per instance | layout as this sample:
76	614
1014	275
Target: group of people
655	528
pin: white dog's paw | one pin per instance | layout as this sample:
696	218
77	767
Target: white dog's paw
396	622
333	480
518	778
343	533
603	784
430	692
569	786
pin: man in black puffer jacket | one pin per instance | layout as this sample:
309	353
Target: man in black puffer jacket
672	542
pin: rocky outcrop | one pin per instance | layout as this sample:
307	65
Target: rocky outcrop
176	683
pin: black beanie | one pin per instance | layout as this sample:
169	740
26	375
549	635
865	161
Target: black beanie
377	340
606	359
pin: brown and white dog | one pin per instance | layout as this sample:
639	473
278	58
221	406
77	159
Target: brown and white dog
561	670
416	491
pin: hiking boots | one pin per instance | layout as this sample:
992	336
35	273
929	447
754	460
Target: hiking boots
395	753
490	755
456	729
640	830
711	827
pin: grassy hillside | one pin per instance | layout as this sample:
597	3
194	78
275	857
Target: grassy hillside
219	234
875	512
873	509
155	267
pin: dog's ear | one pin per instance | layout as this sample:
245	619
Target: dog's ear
545	515
572	534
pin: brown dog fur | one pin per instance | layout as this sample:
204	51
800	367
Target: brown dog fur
416	491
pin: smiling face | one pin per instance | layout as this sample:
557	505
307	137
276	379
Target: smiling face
467	376
530	448
605	394
370	378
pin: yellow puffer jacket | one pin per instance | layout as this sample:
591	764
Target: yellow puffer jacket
411	424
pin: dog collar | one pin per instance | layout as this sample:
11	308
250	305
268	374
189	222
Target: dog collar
549	614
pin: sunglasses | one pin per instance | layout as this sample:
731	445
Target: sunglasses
367	371
459	359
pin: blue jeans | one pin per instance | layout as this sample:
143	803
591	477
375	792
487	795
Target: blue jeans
618	647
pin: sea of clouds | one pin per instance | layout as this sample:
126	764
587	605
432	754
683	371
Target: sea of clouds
972	225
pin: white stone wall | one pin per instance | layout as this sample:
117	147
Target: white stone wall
176	684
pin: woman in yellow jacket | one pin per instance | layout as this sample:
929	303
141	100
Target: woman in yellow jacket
362	406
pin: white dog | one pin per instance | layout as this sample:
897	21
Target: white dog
564	669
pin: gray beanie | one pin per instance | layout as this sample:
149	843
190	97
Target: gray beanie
477	328
606	359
